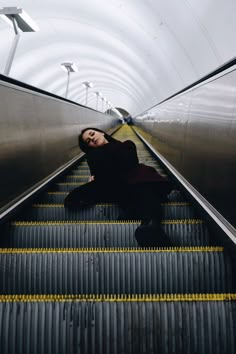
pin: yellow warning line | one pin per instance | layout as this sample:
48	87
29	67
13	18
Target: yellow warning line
110	250
92	222
69	184
78	176
60	205
48	205
167	203
119	298
176	204
68	222
58	193
182	221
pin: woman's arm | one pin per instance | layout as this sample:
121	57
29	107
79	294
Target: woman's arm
113	161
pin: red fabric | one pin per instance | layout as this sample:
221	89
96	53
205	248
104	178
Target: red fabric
144	173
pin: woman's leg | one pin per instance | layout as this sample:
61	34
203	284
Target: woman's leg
146	204
87	194
92	193
143	202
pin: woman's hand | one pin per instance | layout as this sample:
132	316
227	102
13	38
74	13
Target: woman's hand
91	178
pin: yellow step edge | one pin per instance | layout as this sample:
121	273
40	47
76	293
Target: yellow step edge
69	184
57	193
110	250
78	176
172	203
81	222
60	205
119	298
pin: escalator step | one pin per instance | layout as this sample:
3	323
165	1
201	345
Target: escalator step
121	271
58	197
52	198
42	212
84	168
80	171
66	187
131	327
76	178
69	186
92	235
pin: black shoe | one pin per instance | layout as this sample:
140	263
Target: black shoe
151	236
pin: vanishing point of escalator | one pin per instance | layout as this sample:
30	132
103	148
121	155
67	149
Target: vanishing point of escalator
77	282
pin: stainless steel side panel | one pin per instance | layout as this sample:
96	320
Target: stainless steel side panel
38	134
196	132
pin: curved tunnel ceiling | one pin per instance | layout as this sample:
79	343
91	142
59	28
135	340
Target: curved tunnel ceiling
135	52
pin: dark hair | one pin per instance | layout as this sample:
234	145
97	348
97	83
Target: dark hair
84	145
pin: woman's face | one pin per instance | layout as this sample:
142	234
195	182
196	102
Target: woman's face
93	138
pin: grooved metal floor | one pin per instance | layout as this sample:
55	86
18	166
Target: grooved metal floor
77	282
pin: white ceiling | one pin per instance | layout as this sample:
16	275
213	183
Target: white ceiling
136	52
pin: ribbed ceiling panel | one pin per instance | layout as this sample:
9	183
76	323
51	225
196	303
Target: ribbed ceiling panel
135	52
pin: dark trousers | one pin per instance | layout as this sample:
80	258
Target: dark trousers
143	201
140	201
93	192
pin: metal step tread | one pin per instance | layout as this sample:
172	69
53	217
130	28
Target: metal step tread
118	234
99	212
121	271
192	325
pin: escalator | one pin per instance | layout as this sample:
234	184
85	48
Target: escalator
77	281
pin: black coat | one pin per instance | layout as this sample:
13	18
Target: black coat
120	178
118	162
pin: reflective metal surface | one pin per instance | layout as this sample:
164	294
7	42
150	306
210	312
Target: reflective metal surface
196	132
38	134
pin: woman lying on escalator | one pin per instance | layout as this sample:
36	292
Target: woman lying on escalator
118	177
